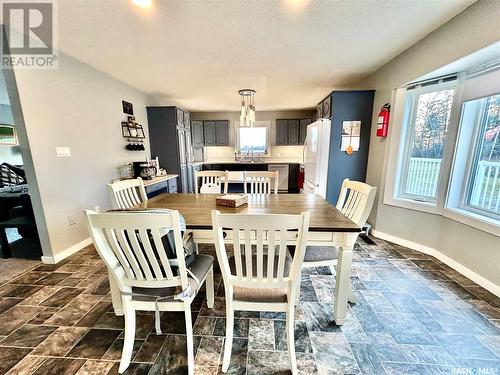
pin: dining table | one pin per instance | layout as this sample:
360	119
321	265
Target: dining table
327	227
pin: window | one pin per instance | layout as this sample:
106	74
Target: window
443	155
479	138
425	124
254	139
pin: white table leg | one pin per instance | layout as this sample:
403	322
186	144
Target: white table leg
116	298
343	278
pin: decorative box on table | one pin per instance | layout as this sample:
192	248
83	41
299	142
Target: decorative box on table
232	200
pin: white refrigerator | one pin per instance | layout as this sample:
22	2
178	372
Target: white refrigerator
316	155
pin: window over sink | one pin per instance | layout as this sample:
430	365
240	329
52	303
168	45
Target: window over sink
254	140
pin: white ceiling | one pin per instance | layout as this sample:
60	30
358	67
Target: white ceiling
197	54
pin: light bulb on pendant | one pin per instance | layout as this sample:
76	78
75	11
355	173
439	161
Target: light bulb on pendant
243	108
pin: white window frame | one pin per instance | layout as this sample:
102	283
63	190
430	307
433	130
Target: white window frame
411	105
402	117
455	164
256	124
464	155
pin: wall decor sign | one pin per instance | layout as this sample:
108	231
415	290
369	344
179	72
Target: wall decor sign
8	135
351	136
134	134
128	108
324	108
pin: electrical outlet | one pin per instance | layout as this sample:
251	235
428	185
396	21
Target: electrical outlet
71	220
63	152
97	208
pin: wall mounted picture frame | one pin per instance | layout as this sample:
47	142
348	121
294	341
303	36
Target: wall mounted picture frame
8	135
128	108
351	136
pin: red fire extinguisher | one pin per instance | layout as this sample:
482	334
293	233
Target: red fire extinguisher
383	120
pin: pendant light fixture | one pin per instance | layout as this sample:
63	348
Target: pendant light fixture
247	116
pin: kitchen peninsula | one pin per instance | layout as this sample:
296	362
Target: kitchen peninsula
288	172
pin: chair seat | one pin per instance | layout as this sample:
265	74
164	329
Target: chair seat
260	294
199	267
318	253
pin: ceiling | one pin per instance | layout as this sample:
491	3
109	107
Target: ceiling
197	54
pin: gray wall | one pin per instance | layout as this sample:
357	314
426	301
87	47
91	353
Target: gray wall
79	107
473	29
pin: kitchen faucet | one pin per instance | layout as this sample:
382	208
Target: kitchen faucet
248	152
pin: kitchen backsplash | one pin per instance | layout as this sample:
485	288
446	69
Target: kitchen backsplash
285	153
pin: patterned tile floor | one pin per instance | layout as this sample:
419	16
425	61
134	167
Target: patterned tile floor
414	315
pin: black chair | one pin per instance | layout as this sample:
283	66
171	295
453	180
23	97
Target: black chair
17	212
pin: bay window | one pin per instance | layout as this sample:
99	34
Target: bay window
444	150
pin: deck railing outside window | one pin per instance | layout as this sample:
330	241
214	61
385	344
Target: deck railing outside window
423	175
486	186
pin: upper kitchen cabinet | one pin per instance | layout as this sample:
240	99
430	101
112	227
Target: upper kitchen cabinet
215	133
324	108
303	129
222	133
281	132
291	132
209	133
197	134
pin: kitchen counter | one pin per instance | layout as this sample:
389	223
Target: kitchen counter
262	161
159	179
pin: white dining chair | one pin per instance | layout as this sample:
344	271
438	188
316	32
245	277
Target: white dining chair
355	201
130	245
265	279
126	194
261	182
210	188
213	178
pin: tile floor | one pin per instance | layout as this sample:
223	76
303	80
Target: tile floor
414	315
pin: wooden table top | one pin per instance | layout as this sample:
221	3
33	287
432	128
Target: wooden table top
196	209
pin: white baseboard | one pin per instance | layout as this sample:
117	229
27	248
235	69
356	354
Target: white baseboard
478	279
66	253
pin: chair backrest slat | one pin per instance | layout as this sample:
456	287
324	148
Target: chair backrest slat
135	198
113	242
259	231
248	253
237	253
271	251
210	178
131	257
130	243
132	238
282	254
151	257
356	200
261	182
260	255
163	256
127	193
